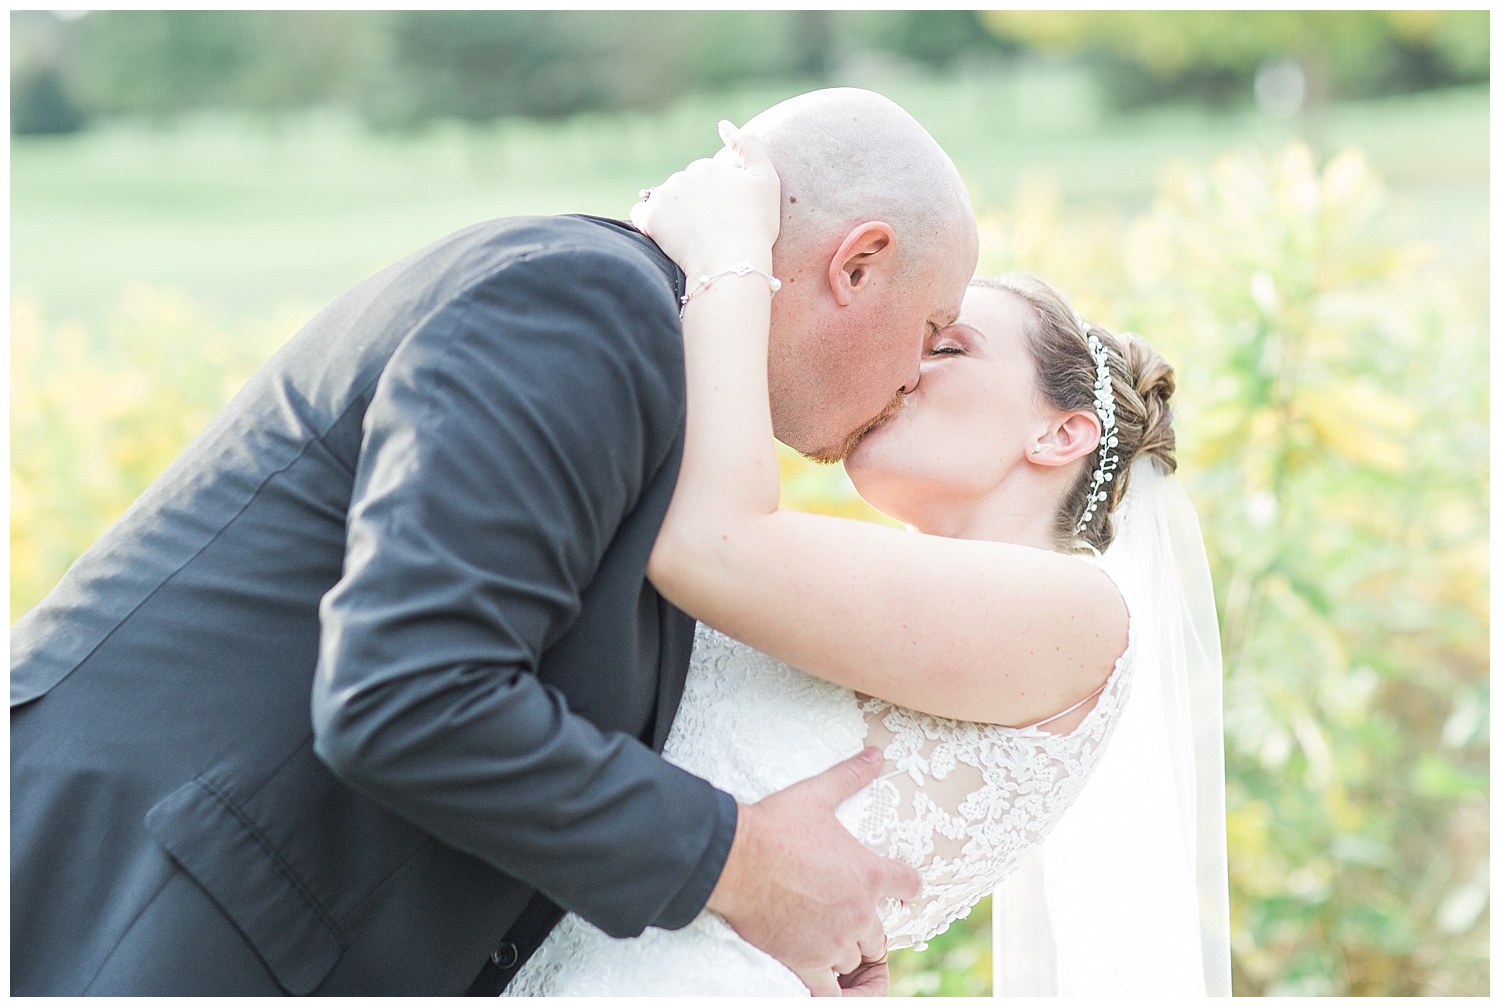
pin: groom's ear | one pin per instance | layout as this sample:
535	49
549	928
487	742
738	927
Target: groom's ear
869	248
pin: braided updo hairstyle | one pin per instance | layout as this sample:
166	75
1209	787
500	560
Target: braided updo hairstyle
1143	383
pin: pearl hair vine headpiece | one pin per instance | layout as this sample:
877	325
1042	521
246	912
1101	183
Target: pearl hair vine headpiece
1104	405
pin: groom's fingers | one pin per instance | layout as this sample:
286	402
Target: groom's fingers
800	887
848	960
872	979
821	982
848	778
872	945
836	785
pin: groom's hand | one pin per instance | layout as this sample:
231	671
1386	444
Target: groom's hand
798	886
872	979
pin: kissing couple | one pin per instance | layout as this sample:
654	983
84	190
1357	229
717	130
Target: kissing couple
468	649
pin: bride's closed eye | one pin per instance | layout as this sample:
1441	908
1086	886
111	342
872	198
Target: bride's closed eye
953	340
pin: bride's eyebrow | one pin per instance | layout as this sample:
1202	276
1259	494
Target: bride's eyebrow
972	333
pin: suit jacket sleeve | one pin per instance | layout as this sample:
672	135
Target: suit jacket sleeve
506	440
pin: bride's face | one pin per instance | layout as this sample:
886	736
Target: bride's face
970	422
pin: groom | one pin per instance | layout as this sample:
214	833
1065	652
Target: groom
367	688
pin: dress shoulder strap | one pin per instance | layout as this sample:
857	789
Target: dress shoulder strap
1070	709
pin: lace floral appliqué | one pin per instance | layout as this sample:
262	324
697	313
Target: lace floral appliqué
960	802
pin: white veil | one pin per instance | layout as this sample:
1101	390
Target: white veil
1128	895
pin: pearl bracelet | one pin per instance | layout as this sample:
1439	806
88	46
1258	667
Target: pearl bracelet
743	269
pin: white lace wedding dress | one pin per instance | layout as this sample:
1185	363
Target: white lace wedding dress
961	802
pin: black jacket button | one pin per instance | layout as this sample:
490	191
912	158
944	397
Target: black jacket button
506	955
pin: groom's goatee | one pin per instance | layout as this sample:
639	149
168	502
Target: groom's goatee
830	456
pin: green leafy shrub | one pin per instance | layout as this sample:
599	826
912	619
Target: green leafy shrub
96	416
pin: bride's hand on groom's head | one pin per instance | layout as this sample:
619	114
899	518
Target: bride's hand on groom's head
717	212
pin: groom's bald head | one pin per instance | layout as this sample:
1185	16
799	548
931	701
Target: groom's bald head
845	156
877	245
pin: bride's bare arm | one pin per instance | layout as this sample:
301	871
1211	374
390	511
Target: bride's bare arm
973	630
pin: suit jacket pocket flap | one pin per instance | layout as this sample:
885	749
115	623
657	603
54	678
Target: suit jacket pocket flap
217	844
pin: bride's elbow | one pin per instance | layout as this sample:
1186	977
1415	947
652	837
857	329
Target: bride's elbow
663	563
691	556
680	546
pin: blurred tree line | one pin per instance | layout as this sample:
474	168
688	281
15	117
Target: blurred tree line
1149	56
401	69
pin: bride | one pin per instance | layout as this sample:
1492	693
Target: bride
1040	575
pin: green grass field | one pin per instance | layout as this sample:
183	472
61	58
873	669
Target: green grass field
241	215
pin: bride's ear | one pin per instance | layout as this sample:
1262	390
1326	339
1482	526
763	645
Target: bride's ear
867	248
1070	436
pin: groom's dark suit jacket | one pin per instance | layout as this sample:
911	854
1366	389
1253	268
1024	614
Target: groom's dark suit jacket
375	661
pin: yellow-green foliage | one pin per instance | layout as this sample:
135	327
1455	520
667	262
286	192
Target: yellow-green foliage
1332	426
1332	413
95	417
